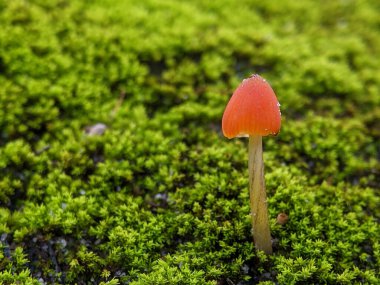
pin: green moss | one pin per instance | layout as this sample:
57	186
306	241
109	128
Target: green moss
161	197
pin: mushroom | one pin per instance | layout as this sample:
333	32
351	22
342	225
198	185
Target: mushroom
282	219
254	111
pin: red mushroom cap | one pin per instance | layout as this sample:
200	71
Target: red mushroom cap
252	110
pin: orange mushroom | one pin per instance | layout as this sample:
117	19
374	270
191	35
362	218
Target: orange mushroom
254	111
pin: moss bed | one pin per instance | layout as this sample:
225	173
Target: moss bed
113	167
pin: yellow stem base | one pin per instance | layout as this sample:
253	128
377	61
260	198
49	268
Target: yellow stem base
258	196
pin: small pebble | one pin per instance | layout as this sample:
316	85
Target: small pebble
4	237
96	130
245	269
62	242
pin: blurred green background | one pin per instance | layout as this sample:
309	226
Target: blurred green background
113	168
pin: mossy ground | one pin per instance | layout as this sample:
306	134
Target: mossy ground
161	197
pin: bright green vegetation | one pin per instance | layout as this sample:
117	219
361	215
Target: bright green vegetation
162	197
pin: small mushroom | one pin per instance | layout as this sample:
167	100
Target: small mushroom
254	111
282	219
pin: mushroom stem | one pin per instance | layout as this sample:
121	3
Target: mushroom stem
258	197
